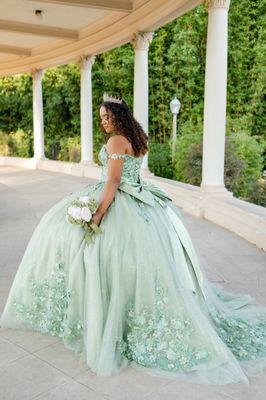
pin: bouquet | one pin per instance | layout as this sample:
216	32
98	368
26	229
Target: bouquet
79	212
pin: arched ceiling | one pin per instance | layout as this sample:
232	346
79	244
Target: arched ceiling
40	34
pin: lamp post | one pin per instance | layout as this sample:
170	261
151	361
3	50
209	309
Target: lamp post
175	107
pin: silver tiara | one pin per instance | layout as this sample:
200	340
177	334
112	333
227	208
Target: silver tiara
112	99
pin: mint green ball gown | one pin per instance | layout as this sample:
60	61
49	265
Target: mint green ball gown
137	295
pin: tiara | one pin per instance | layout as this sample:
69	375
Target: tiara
112	99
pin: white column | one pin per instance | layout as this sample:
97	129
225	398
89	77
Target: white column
141	42
38	129
215	98
86	116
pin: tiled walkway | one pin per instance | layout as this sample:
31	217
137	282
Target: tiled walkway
36	366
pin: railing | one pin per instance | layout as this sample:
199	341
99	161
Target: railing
241	217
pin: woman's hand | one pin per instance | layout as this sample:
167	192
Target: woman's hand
96	218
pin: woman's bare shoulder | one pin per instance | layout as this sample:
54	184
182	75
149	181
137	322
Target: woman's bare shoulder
117	144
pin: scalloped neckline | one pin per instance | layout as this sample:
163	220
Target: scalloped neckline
135	158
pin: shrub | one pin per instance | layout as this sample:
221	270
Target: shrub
159	159
233	165
257	192
187	159
23	143
191	163
74	149
70	149
16	144
242	168
250	151
4	148
193	160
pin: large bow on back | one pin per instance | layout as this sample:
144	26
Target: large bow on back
144	191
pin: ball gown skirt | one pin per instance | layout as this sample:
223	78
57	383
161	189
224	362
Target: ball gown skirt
137	295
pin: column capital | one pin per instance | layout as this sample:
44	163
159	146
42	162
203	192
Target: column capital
142	40
37	73
211	4
86	61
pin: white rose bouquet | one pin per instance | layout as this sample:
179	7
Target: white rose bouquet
79	212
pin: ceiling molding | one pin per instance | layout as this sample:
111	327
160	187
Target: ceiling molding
40	30
111	31
21	51
113	5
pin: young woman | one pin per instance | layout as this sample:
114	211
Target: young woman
137	294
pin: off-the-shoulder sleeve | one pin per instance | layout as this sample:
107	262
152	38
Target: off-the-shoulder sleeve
116	155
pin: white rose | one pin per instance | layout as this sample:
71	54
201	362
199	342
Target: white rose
86	214
76	213
84	198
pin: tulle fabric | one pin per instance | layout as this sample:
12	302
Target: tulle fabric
143	261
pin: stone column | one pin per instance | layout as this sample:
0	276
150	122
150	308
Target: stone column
86	116
38	128
215	98
141	42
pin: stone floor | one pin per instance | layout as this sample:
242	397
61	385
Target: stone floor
36	366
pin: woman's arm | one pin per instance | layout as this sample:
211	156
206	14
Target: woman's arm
115	144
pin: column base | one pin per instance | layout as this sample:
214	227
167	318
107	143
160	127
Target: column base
88	162
214	191
38	158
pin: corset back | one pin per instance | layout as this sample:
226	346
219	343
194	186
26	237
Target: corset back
131	166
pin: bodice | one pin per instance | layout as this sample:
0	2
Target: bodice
131	165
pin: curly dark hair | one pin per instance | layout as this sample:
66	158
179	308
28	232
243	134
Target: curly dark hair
125	124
